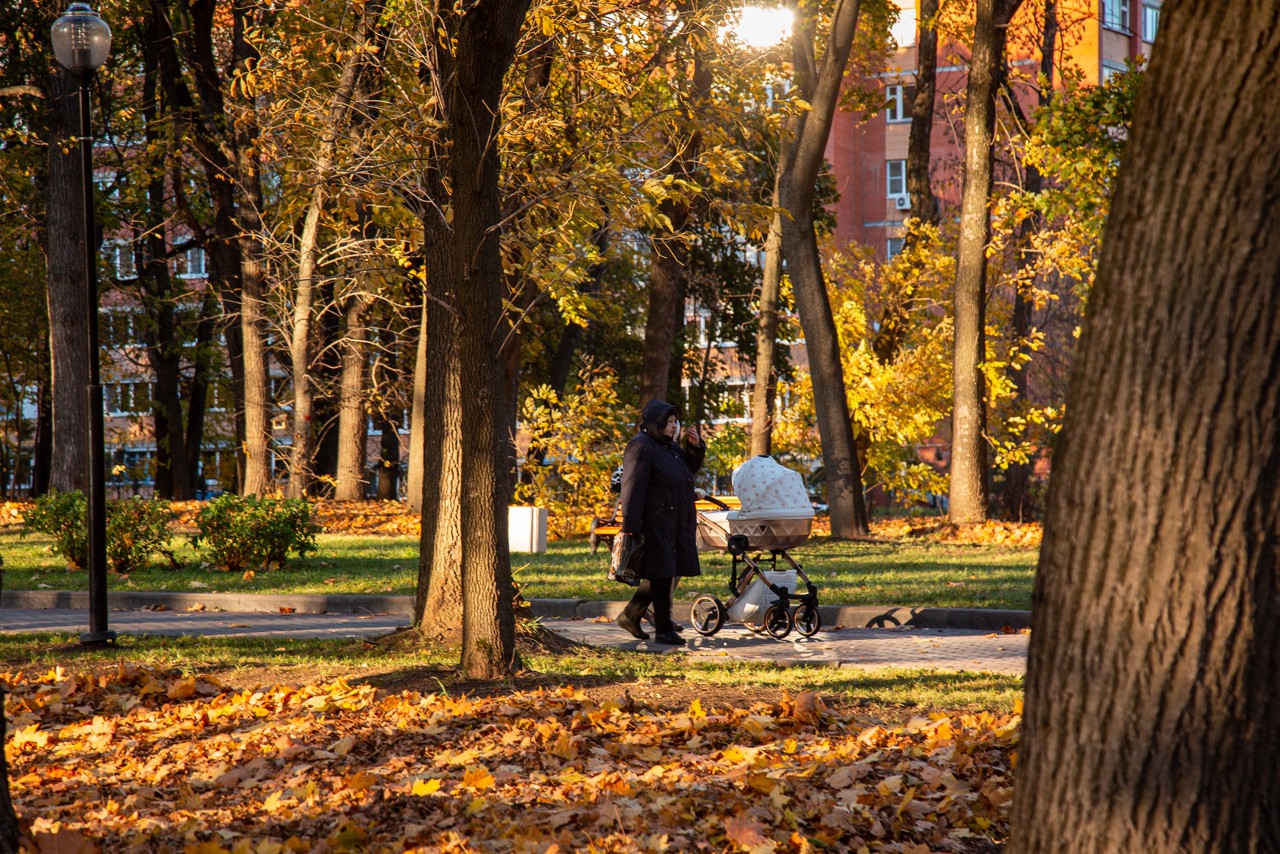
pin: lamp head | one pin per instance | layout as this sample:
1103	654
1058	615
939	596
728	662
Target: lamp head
81	39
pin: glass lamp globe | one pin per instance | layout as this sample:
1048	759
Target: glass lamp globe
81	39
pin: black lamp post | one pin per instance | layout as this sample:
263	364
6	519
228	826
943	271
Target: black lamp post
81	42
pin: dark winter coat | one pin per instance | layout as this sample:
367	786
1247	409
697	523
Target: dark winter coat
657	496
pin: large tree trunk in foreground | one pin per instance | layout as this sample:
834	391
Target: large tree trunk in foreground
486	38
1151	693
969	490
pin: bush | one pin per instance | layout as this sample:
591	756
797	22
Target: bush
136	529
249	533
63	516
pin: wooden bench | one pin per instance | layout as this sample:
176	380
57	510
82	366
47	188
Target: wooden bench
604	530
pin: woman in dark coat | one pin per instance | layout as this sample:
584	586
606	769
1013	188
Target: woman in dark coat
658	502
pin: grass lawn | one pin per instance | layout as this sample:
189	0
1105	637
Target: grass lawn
668	680
908	572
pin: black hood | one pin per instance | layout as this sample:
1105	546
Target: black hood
654	416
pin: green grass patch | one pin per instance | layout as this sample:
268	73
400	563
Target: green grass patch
272	660
913	573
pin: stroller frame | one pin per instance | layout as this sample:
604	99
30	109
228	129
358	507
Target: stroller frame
708	614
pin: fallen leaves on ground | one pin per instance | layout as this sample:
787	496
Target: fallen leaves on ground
150	760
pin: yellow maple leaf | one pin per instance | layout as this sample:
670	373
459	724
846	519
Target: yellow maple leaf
30	735
478	777
425	787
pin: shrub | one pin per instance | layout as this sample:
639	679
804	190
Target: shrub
63	516
136	529
248	532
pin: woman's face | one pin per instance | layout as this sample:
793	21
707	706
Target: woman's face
672	428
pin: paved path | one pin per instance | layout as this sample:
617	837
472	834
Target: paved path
946	649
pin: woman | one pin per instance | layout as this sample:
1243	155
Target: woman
658	502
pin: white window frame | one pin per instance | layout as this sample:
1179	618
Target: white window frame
895	179
897	110
193	264
1111	69
122	260
893	247
1116	15
1150	21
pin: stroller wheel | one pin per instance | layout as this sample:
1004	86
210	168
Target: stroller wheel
707	615
777	621
806	619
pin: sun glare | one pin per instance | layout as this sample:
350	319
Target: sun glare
758	27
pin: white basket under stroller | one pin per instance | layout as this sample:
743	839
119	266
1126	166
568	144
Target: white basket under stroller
775	515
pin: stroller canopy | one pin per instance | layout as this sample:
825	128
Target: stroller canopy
765	486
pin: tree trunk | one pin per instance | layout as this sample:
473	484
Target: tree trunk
9	829
1151	695
1016	496
667	269
664	317
417	416
486	38
304	302
924	205
807	134
969	490
438	604
765	391
352	420
68	302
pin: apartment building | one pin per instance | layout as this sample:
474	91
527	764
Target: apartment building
869	157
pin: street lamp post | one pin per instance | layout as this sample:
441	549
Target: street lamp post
81	42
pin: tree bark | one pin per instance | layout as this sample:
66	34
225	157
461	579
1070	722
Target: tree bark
486	38
10	832
68	303
352	421
1015	499
924	205
304	302
969	489
1151	696
765	392
417	416
794	192
667	268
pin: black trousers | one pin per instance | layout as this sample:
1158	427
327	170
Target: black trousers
658	594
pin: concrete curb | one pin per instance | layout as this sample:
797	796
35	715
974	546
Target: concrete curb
847	616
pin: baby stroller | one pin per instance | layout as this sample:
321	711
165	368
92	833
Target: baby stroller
775	515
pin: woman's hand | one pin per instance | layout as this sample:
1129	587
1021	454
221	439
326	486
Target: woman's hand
691	436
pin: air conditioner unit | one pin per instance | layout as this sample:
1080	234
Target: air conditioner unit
902	203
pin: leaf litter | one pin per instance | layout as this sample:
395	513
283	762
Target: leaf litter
138	759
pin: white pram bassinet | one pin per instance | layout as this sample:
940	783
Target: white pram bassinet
775	512
775	515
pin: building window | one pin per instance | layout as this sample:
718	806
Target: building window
116	328
898	103
1111	69
1115	15
894	248
1150	21
190	264
128	398
120	256
896	179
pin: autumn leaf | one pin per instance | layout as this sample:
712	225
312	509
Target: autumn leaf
421	788
748	835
